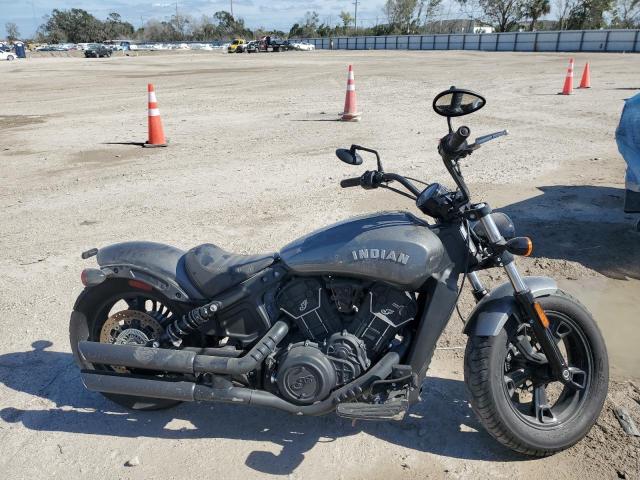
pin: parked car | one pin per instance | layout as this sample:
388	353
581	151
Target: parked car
237	46
4	55
97	50
252	46
304	46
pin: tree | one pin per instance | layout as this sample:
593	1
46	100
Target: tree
562	9
75	26
400	14
346	18
534	9
588	15
310	26
229	26
503	14
115	28
626	14
296	31
12	31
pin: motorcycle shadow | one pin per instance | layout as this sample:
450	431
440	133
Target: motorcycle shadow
443	423
584	224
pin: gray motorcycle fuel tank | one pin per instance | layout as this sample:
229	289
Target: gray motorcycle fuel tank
393	247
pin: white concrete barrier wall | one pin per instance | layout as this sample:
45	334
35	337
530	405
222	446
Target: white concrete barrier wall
565	41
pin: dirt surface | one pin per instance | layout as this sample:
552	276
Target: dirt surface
250	167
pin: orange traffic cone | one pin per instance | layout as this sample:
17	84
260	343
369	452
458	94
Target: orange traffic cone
586	77
156	132
568	81
350	113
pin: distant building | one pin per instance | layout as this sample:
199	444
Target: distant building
458	25
483	29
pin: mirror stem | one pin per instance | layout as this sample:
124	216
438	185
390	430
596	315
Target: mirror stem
449	123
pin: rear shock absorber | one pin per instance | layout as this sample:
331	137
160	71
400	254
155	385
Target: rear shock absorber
187	324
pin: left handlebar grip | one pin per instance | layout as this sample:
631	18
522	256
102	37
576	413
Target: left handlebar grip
457	138
350	182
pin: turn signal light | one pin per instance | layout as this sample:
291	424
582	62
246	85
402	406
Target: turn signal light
522	246
90	277
541	315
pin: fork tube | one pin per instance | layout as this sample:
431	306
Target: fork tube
495	237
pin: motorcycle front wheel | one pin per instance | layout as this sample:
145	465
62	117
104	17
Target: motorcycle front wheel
518	402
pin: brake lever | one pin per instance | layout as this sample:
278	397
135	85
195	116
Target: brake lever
486	138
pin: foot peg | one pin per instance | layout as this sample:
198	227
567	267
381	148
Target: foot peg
394	409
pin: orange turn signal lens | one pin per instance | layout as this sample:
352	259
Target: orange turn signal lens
520	246
541	315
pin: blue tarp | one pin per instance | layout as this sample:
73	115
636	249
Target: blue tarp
628	138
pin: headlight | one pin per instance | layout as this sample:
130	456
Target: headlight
503	222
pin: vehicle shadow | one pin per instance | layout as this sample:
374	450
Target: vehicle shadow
584	224
443	423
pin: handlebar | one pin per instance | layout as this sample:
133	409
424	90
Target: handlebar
350	182
456	139
373	179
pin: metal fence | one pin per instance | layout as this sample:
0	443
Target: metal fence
560	41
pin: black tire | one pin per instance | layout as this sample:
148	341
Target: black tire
484	374
94	305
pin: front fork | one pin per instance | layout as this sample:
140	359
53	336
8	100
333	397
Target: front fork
531	310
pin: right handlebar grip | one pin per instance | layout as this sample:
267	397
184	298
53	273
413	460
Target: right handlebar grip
457	138
350	182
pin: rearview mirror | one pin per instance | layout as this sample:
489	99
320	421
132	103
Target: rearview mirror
456	102
349	156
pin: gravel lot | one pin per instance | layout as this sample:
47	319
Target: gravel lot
251	167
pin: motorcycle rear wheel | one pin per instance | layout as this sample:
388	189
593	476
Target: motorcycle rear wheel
95	304
517	403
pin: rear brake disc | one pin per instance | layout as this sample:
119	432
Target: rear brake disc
129	327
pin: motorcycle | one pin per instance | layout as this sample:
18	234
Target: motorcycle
346	319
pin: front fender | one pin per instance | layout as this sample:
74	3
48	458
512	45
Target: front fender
493	311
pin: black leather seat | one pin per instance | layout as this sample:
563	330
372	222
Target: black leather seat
213	270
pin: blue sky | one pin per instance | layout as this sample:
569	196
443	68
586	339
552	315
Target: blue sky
279	14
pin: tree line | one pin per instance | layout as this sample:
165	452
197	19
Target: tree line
399	17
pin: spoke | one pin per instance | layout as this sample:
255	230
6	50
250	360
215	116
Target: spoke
134	303
562	330
515	379
578	378
542	410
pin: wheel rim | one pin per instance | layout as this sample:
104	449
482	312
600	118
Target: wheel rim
537	399
147	303
126	304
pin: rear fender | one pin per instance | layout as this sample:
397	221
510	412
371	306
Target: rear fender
160	266
493	311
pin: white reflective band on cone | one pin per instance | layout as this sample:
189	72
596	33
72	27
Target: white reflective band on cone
152	97
351	88
154	112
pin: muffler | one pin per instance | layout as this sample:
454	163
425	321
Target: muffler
182	361
222	390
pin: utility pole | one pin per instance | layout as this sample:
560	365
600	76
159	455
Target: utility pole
231	7
355	16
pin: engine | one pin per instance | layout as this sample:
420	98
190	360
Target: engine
342	327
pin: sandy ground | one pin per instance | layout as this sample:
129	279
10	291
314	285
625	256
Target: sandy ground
251	167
